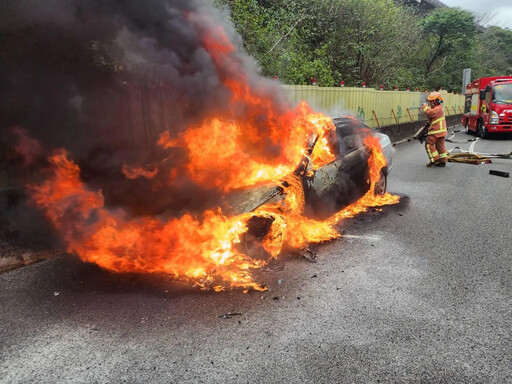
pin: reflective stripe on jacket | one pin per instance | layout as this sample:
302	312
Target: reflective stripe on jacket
436	119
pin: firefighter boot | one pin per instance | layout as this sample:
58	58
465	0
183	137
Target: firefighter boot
430	164
440	164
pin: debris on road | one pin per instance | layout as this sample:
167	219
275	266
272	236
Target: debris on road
309	255
229	315
274	266
499	173
12	257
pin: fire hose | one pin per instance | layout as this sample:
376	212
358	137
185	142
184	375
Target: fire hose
475	157
469	158
463	156
450	139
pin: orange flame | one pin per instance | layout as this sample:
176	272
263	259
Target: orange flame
208	250
189	248
202	250
225	162
376	162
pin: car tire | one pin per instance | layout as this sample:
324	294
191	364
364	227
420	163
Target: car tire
482	132
252	241
381	185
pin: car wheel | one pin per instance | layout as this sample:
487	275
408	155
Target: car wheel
252	241
482	132
381	185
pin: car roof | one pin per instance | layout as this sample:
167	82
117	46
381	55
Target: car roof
348	125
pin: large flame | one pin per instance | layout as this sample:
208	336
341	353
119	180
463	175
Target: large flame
201	250
225	162
208	250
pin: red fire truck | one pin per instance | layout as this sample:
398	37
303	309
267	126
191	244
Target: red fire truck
488	106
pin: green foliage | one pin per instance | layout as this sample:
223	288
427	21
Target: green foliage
376	41
450	35
369	40
494	53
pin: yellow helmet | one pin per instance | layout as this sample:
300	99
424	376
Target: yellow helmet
436	97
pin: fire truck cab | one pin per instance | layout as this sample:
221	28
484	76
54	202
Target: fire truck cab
488	106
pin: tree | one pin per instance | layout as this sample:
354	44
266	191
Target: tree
375	41
494	53
450	35
370	40
277	35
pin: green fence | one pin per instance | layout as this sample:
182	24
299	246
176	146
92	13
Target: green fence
375	108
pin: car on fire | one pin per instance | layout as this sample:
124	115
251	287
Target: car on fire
331	187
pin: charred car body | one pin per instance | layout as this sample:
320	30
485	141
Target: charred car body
329	188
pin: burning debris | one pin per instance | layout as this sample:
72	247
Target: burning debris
150	204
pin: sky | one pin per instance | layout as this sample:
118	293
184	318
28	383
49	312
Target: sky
500	10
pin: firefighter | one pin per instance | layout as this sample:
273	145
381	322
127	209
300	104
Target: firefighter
435	144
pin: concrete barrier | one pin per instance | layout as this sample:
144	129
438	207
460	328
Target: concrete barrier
399	132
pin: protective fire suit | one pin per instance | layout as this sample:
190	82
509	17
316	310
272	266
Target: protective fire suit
435	143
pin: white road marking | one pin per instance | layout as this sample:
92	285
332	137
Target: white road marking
472	146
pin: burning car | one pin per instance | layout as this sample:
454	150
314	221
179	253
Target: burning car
130	163
322	191
331	187
343	172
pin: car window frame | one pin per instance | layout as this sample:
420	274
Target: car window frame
354	128
345	148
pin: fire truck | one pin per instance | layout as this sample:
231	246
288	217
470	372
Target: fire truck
488	106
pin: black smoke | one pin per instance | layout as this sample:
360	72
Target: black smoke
103	78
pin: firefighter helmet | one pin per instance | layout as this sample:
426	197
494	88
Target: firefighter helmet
435	97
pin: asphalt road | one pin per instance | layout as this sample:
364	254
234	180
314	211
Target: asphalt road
418	293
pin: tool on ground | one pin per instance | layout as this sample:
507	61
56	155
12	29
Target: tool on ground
499	173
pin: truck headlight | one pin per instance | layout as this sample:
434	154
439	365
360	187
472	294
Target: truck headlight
495	119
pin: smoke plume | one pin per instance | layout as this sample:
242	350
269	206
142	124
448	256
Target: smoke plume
105	78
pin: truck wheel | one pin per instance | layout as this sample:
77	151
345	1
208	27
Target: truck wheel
482	132
381	185
468	131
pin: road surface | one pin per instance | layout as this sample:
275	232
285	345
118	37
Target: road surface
418	293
